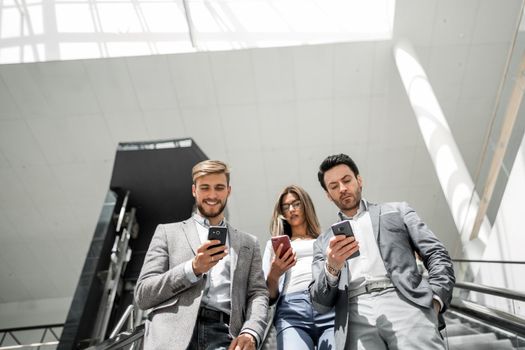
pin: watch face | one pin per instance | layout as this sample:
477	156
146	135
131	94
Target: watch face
332	270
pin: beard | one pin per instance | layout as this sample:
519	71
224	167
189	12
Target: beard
346	205
211	213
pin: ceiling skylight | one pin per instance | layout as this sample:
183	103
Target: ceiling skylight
74	29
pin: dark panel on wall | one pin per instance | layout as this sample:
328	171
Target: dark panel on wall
159	180
158	176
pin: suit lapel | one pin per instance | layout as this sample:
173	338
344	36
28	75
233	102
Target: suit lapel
191	235
235	247
374	211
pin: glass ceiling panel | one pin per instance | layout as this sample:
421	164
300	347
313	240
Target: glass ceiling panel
44	30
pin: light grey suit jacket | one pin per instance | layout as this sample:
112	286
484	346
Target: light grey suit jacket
174	301
399	232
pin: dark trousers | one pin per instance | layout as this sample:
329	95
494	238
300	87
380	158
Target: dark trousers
210	334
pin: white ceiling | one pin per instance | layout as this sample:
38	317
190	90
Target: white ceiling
51	30
273	114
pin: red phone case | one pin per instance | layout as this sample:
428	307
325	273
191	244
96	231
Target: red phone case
277	240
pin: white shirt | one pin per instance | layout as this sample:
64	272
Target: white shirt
300	275
217	293
368	266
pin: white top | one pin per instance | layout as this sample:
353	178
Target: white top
300	275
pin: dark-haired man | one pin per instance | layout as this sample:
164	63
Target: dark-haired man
203	296
380	298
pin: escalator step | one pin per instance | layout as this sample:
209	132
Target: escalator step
471	339
458	329
451	321
485	341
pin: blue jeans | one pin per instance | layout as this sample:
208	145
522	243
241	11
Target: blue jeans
210	335
299	326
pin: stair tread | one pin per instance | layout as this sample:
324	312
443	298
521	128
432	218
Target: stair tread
459	329
472	338
502	344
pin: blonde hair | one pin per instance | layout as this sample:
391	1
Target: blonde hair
312	223
208	167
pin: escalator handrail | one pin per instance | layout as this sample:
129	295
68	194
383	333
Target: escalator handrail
490	261
500	292
499	318
31	328
122	340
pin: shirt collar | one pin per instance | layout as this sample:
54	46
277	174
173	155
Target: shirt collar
204	222
363	207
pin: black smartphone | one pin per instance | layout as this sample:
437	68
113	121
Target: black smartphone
217	232
344	228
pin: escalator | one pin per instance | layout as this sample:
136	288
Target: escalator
470	325
467	333
474	322
150	184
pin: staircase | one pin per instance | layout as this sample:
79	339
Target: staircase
462	333
466	333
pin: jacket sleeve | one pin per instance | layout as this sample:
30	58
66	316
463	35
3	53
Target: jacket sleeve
267	259
257	296
433	253
323	294
158	282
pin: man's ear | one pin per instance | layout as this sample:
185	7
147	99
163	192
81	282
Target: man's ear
193	189
229	190
360	181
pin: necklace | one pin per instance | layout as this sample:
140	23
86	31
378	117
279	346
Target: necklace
301	237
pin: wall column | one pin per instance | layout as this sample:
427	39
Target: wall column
451	170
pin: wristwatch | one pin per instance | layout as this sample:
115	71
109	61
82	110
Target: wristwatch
332	270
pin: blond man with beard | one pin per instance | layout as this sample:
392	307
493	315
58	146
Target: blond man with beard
200	296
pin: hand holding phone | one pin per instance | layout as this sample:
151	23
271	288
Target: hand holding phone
284	240
219	233
344	228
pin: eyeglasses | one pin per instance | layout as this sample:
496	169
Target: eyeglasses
288	206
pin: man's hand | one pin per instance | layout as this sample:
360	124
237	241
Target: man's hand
205	260
244	341
437	306
339	249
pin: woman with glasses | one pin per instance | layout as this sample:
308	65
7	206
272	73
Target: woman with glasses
288	274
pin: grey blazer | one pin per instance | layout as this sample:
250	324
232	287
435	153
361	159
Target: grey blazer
174	301
399	232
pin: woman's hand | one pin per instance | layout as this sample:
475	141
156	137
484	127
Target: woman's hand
284	263
279	266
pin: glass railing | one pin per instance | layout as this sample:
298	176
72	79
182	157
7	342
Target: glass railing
494	298
492	274
128	339
35	337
